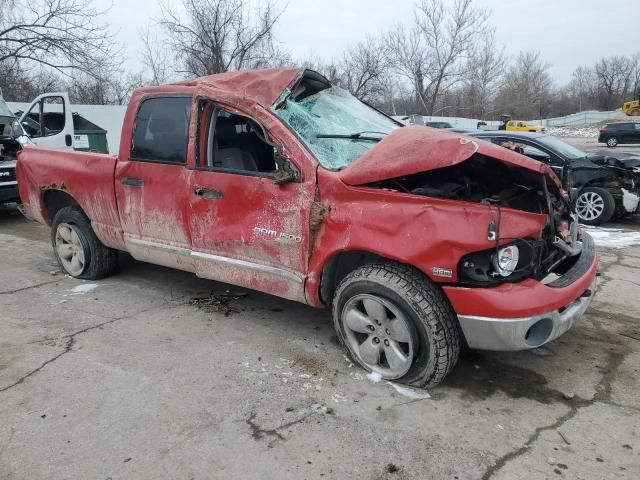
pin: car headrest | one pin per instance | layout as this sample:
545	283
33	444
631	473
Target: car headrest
225	130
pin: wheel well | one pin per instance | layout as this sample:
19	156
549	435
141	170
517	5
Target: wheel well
54	200
600	183
339	266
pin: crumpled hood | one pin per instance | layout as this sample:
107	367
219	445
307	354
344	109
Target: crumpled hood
415	149
617	159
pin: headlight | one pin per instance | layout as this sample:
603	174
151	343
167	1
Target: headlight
506	260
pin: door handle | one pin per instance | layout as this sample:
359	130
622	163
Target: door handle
132	181
68	140
208	193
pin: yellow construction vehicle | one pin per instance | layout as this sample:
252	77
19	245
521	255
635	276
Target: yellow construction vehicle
632	107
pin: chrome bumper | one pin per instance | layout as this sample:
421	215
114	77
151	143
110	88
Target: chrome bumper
509	334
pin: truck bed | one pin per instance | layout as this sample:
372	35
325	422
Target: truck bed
87	177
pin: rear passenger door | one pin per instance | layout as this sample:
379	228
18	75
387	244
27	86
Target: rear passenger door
152	184
245	228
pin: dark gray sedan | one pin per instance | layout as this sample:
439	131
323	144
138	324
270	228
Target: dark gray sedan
602	187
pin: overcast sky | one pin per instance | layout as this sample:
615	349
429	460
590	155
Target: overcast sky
569	33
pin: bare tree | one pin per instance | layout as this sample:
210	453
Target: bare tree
155	57
484	70
614	76
222	35
635	75
112	88
20	85
430	54
527	87
60	34
362	69
581	79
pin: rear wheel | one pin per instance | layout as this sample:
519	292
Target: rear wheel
635	112
595	206
612	142
77	249
395	322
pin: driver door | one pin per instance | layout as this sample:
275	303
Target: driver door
49	121
245	228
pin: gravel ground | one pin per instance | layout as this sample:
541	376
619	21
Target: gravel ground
143	376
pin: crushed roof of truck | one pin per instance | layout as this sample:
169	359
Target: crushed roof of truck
261	86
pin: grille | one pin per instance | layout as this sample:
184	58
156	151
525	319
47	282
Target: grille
7	175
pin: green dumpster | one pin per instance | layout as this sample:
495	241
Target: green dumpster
87	136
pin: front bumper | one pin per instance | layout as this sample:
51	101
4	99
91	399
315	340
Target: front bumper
527	314
630	201
508	334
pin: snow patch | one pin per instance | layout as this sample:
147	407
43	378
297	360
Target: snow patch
585	132
412	393
338	397
319	408
613	237
375	377
83	289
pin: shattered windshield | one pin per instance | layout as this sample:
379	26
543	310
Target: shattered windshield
561	148
337	127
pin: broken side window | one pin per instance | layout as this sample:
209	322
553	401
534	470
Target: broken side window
232	143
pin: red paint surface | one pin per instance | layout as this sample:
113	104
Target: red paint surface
420	231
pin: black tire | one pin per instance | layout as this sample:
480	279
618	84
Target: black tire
635	112
612	142
100	261
435	328
608	210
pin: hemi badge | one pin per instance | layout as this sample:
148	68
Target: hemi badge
442	272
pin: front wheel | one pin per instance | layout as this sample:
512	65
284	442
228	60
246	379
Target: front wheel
595	206
612	142
395	322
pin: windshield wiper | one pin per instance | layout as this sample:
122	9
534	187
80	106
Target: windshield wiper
353	136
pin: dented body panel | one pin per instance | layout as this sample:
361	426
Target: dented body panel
281	237
417	148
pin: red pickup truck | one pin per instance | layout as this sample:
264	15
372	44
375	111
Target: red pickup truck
419	239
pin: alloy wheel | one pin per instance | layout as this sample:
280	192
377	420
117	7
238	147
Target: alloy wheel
590	206
70	249
379	334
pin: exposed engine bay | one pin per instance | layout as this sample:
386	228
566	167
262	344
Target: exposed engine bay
10	133
480	179
488	181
